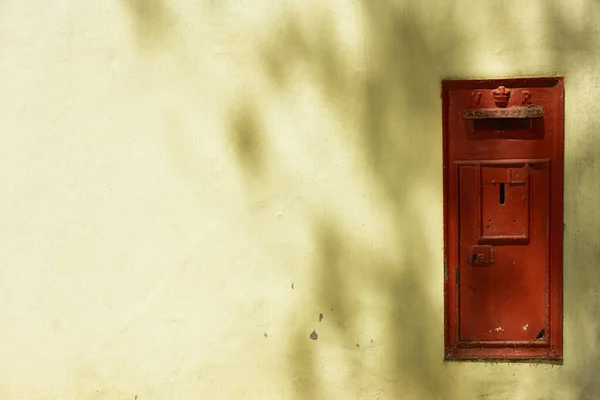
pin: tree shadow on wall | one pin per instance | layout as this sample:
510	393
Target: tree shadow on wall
245	136
394	97
581	272
150	20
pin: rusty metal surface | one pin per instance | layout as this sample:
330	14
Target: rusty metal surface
503	217
532	111
504	302
503	204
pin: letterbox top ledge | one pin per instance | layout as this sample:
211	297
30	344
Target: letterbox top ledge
531	111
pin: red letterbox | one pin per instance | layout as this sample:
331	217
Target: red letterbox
503	218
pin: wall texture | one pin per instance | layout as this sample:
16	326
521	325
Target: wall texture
187	185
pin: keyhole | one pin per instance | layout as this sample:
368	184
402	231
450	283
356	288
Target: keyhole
502	194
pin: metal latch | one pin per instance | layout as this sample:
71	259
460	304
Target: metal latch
480	255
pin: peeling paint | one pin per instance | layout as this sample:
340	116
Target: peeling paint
279	213
525	327
499	329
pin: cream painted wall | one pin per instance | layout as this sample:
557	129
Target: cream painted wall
187	185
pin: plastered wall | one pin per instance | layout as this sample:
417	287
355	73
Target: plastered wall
186	186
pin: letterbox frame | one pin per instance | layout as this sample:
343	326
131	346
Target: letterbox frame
552	348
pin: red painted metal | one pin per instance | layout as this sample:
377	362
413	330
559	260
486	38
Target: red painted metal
503	218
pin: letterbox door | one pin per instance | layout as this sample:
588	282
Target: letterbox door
503	218
503	212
